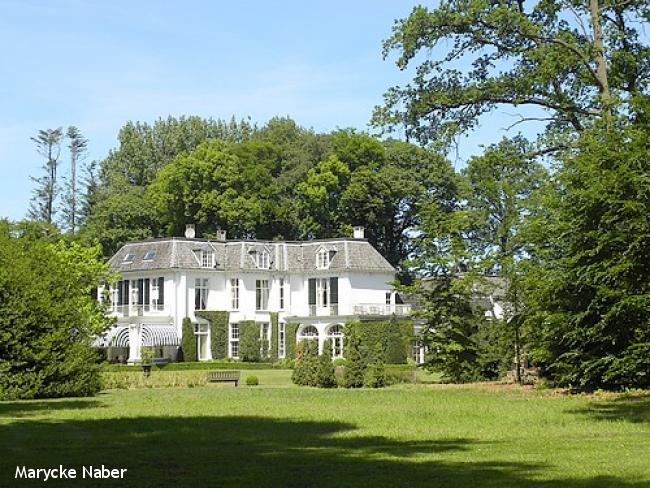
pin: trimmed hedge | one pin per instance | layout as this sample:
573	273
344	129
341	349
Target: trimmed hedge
249	341
387	341
202	365
290	331
188	341
218	320
274	337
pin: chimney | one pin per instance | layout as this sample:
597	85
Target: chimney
359	232
190	231
221	235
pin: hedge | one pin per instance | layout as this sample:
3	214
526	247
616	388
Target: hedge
388	341
273	350
188	341
249	341
290	340
218	331
205	365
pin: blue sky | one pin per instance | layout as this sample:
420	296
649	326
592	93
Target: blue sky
98	64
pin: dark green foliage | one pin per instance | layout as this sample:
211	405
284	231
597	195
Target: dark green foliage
252	380
306	369
325	377
249	341
390	340
188	341
495	348
355	359
218	331
375	376
290	335
47	314
589	301
194	366
273	349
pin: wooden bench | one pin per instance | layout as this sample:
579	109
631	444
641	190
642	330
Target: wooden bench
224	375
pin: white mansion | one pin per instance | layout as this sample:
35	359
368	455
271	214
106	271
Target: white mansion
318	284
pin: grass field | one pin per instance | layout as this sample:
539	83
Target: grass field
281	435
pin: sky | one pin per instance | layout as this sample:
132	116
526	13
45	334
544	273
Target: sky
99	64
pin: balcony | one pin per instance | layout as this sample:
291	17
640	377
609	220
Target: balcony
134	310
326	311
381	309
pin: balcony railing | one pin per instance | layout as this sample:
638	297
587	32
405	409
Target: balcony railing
329	310
381	309
135	310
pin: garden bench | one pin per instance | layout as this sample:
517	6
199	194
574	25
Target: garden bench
224	375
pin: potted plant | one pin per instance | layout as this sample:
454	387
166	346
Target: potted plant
146	354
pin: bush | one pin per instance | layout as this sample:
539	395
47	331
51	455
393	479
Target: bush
355	366
188	341
249	341
47	314
306	370
325	377
252	380
375	376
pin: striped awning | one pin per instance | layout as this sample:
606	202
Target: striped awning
159	335
150	335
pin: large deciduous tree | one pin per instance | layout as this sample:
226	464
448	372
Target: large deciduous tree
77	145
573	61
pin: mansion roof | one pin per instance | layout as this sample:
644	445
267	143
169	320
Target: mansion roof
240	255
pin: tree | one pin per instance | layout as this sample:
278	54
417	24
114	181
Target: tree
588	300
77	145
188	341
48	145
48	317
326	377
355	360
568	63
500	188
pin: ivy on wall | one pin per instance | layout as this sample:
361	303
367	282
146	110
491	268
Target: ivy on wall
249	341
188	341
274	337
388	341
290	340
218	331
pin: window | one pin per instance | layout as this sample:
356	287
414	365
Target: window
265	339
388	296
323	259
234	293
202	341
207	259
200	294
281	340
234	341
336	335
263	260
281	293
158	293
129	258
149	255
261	294
322	292
310	332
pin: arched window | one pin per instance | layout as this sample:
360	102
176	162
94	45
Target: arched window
335	333
310	332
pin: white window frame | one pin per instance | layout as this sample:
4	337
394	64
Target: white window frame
233	342
322	292
263	259
282	297
207	259
281	340
234	293
323	259
261	295
202	285
335	334
201	333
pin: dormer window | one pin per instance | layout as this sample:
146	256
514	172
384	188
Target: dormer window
323	259
207	259
129	258
263	260
149	255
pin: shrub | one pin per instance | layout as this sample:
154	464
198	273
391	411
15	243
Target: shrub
306	370
252	380
249	341
188	341
325	377
375	376
355	366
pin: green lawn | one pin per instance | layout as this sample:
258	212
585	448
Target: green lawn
281	435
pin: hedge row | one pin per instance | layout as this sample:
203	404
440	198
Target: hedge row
218	331
116	368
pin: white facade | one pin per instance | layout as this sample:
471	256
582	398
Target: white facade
317	285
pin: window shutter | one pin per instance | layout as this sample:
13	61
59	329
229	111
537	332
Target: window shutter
312	291
126	295
334	291
147	289
161	291
120	292
140	291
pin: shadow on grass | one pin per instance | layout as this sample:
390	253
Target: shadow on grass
22	408
629	408
256	451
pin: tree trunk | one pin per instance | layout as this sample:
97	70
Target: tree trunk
601	62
